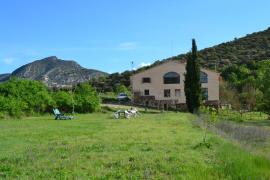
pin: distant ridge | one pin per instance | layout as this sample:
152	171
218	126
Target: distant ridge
4	77
55	72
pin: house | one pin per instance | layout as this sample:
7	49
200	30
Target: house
162	86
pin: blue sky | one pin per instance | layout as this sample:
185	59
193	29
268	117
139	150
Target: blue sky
108	35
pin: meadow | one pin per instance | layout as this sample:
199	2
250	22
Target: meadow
152	146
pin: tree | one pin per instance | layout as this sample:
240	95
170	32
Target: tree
264	84
122	89
26	96
192	80
63	100
229	95
209	118
248	96
86	98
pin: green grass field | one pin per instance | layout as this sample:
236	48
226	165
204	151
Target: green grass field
153	146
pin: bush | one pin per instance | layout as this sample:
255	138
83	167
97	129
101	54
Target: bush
12	107
20	97
122	89
86	99
64	100
24	97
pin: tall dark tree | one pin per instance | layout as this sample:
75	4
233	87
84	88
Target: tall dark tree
192	80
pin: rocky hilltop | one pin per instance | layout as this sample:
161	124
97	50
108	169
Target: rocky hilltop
54	72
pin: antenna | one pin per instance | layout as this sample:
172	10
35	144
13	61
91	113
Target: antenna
171	49
132	65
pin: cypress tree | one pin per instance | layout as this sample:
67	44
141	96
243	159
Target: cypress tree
192	80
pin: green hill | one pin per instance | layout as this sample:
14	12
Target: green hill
255	46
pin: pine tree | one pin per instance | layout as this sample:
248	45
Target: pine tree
192	80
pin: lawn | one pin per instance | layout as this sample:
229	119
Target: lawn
153	146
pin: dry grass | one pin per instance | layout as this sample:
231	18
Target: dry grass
251	135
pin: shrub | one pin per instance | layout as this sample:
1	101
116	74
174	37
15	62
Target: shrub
64	100
86	99
20	96
122	89
11	106
25	97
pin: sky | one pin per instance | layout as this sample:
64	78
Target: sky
109	34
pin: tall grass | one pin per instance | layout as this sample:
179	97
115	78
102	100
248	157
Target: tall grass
237	116
236	163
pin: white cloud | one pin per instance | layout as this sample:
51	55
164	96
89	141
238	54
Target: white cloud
143	64
125	46
8	61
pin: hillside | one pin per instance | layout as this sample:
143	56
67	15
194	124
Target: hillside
255	46
55	72
241	51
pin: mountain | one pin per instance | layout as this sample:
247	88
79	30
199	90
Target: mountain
252	47
4	77
55	72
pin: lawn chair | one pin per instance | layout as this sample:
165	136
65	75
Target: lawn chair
124	113
60	116
133	112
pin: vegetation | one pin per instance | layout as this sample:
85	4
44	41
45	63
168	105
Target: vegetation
112	82
253	47
24	97
209	117
249	85
108	97
64	100
192	81
20	97
86	99
240	116
122	89
153	146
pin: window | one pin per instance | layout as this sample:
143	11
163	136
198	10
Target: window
205	94
146	80
171	78
177	92
203	77
146	92
167	93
